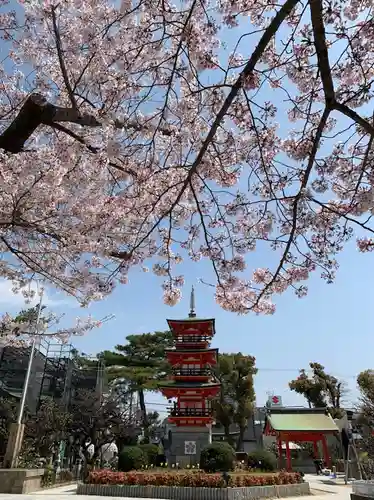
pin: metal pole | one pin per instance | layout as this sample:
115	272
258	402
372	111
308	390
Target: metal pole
28	373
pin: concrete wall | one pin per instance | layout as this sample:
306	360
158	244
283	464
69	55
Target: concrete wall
179	435
18	481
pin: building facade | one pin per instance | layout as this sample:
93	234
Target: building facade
56	373
253	436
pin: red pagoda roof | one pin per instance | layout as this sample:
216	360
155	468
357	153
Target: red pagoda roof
177	389
192	325
188	385
189	351
192	355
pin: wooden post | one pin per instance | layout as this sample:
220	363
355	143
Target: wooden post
326	451
280	453
288	455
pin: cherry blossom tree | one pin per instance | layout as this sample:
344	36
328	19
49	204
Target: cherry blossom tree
28	325
144	132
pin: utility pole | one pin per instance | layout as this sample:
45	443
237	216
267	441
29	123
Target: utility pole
17	429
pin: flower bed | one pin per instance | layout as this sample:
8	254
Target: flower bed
190	479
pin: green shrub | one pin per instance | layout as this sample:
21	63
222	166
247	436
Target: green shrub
151	453
131	458
263	460
49	477
217	457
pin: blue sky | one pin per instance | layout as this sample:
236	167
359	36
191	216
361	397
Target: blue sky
332	325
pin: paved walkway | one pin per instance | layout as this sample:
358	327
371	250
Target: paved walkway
62	493
323	488
327	485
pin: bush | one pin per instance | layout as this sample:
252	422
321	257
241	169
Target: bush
65	476
368	467
131	458
49	477
217	457
151	453
190	479
262	459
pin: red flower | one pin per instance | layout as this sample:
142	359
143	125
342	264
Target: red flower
196	479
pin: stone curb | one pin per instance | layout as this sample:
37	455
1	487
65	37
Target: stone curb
188	493
362	490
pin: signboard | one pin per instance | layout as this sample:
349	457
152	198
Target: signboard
190	447
274	401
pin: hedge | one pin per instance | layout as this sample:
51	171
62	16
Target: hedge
198	479
130	458
151	452
263	460
217	457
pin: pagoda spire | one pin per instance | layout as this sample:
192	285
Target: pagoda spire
192	304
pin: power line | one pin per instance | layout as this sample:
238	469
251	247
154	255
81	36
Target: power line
298	371
276	370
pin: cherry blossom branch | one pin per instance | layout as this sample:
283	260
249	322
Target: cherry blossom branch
350	113
277	274
316	14
270	31
37	111
13	331
316	11
61	60
170	139
91	149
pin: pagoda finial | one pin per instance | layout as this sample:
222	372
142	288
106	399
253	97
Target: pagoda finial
192	304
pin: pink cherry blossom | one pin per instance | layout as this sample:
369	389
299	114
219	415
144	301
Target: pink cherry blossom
140	134
15	332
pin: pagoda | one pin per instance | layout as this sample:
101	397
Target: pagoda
192	384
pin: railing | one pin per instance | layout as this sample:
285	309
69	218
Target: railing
192	339
192	372
190	412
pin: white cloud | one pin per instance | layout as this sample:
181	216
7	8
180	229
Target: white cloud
16	300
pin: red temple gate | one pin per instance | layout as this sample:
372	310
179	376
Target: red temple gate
300	425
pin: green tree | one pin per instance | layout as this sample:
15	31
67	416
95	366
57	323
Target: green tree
98	421
320	389
365	382
154	423
82	360
49	426
237	396
141	363
8	415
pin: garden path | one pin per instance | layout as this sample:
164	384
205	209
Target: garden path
322	488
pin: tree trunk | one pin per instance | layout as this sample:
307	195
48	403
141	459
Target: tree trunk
143	409
239	442
228	436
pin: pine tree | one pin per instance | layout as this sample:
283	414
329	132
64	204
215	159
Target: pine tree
237	397
141	363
